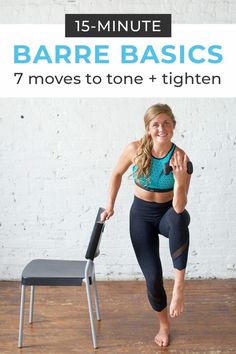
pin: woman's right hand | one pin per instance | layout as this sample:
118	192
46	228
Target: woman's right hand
106	214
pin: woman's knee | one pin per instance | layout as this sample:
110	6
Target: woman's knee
179	218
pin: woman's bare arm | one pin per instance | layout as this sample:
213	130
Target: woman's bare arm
124	162
182	180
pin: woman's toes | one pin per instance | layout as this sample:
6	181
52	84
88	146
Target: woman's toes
162	338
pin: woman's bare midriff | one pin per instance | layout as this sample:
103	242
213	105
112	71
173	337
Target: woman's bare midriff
153	196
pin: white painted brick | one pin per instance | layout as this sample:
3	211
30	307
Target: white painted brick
48	202
52	11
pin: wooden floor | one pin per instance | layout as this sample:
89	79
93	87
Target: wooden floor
128	324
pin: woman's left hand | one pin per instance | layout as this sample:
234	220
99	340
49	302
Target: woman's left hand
179	164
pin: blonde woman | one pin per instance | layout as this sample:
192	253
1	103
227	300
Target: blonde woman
158	208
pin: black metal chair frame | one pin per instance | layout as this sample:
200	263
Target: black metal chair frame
42	272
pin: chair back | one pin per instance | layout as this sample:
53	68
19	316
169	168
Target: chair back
93	247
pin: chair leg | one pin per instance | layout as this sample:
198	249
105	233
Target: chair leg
21	322
31	309
91	313
96	298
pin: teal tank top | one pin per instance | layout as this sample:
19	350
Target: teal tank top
157	180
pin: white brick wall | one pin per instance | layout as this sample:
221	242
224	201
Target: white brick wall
52	11
56	156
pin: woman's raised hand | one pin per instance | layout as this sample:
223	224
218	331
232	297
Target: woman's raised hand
179	164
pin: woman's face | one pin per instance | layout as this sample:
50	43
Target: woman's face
161	128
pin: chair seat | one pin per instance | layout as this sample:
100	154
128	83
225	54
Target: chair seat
53	272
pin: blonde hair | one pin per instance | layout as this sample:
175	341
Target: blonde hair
144	153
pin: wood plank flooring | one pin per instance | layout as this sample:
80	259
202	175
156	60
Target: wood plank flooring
61	322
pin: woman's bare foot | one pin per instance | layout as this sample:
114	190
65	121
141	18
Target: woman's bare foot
162	337
177	301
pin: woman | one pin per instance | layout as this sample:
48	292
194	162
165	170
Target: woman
158	208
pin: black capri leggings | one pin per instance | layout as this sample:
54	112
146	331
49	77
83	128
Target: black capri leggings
147	220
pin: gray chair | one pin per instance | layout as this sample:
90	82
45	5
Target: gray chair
64	273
